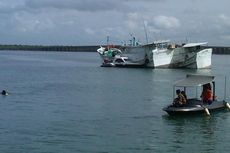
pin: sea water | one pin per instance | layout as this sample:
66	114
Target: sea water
63	102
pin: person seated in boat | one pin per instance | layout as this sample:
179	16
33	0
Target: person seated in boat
180	100
184	94
207	96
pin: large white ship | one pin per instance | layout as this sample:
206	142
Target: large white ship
159	54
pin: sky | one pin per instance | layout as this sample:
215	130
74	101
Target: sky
89	22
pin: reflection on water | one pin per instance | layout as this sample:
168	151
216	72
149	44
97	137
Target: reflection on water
199	132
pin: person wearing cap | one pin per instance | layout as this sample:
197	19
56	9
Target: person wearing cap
180	100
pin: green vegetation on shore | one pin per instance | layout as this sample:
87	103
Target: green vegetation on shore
216	49
50	48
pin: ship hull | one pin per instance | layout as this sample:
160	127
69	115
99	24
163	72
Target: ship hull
151	56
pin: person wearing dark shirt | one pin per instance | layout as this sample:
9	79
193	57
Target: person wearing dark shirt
180	100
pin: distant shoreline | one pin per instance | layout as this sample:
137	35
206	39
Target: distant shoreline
216	49
50	48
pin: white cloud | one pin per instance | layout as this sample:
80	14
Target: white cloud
226	37
131	22
166	22
81	5
11	6
225	19
51	21
31	23
89	31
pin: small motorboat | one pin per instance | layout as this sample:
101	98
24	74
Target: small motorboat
195	105
108	55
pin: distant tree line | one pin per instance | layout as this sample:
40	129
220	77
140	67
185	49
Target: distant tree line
220	50
216	49
50	48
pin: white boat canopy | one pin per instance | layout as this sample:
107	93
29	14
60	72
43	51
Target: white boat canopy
194	44
194	80
161	41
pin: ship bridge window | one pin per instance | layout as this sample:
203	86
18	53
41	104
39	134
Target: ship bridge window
194	49
162	45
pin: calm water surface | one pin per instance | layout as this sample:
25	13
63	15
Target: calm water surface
66	102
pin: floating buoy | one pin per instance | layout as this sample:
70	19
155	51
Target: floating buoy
207	111
227	105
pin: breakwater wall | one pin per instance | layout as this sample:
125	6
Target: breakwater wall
220	50
216	49
50	48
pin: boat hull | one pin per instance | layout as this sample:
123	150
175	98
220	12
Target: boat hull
131	65
180	58
195	109
152	56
